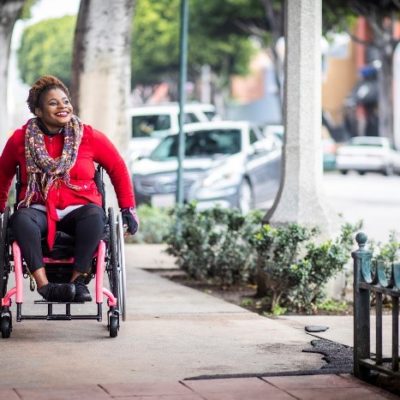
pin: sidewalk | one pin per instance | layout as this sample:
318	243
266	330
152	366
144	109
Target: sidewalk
177	343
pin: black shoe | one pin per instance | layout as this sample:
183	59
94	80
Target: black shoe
60	292
82	292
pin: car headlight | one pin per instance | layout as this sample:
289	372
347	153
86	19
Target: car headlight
220	179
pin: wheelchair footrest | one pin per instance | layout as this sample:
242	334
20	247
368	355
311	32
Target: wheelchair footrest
51	316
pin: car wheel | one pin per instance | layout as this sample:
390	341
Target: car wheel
361	172
246	199
388	170
344	171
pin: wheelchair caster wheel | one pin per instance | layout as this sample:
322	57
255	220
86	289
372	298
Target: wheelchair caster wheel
5	326
114	325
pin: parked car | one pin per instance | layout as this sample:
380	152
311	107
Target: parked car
229	163
149	124
368	154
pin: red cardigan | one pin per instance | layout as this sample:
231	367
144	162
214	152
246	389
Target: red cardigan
95	147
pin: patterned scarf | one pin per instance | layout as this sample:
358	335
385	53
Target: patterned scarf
43	170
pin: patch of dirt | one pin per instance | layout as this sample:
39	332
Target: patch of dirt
241	295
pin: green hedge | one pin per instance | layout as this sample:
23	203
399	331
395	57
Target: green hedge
288	263
212	244
155	224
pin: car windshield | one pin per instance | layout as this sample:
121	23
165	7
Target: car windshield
372	142
206	143
145	125
210	114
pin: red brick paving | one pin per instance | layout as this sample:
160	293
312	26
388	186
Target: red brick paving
311	382
237	389
8	394
89	392
147	389
310	387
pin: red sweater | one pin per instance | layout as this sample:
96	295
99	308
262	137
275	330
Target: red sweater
95	147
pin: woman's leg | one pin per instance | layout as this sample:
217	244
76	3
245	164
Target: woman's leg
29	226
86	224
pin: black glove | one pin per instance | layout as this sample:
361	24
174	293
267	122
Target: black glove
130	219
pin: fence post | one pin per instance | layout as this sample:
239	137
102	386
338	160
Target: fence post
362	273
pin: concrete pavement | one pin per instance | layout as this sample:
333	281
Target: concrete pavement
174	336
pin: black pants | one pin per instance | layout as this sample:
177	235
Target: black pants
85	224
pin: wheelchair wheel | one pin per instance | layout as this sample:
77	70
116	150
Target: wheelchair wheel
3	252
6	325
121	265
114	325
116	270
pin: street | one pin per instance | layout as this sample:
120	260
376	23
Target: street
373	198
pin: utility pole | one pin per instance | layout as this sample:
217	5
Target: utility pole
183	43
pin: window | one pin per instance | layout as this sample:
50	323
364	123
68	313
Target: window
200	144
253	136
210	115
190	117
145	125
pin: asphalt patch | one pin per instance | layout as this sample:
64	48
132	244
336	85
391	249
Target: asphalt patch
338	357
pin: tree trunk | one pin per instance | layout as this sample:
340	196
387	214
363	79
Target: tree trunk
385	97
102	69
9	13
275	21
261	277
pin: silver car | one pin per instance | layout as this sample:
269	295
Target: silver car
368	154
229	163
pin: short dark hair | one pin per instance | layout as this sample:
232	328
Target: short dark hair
42	86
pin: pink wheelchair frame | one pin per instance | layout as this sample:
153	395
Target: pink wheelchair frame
17	290
108	259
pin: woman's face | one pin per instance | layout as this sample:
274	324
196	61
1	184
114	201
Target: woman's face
55	110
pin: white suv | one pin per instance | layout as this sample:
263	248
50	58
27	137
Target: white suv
149	124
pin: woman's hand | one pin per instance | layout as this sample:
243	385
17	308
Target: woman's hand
130	219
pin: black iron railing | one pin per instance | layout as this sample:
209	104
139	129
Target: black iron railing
374	278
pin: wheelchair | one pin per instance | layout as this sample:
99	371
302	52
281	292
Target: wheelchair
109	258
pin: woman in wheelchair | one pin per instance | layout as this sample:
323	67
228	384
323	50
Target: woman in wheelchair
57	156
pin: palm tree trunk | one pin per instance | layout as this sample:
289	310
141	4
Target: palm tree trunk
385	97
102	69
9	13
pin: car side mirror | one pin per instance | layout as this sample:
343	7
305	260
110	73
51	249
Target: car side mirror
261	147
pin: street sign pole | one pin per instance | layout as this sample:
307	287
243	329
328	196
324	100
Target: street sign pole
183	41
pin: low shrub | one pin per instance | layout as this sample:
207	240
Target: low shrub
388	252
155	223
293	267
288	263
212	245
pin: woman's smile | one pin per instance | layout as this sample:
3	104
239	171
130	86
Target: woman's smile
55	110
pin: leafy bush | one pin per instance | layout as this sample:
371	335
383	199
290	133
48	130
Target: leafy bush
387	252
212	244
294	268
155	224
288	263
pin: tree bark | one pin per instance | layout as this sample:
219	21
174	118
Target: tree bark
275	21
102	69
9	13
385	97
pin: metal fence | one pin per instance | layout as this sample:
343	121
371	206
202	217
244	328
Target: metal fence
374	280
